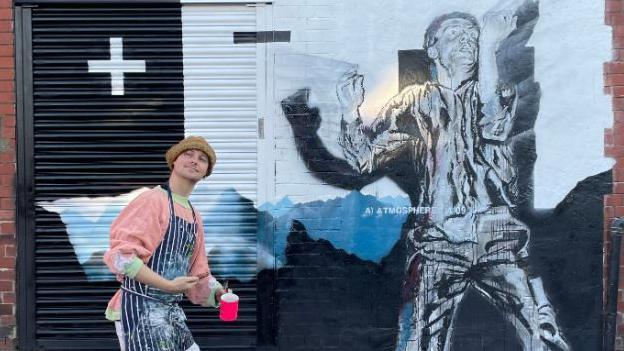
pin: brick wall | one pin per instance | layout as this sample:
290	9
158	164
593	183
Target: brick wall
7	178
614	144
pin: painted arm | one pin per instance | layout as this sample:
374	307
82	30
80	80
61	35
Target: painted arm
305	122
499	99
370	148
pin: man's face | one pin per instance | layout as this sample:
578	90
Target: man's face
191	165
457	44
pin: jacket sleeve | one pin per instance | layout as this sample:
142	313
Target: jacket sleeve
135	234
204	292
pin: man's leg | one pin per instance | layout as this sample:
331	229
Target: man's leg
119	330
443	268
501	275
506	286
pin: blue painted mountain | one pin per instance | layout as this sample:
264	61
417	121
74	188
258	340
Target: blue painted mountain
359	224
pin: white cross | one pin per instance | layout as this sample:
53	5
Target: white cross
116	66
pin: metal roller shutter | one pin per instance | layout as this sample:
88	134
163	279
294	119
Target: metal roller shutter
88	143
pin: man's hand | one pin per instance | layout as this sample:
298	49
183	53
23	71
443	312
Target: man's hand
497	26
350	93
548	328
181	284
305	120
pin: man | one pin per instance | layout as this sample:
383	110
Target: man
157	252
449	138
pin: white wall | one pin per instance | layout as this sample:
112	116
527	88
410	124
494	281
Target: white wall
328	37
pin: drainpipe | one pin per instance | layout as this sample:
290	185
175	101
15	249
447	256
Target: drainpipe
614	274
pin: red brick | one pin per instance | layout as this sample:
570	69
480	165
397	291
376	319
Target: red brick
9	251
7	168
6	13
9	204
618	104
618	175
614	18
9	156
618	188
609	67
7	73
619	212
7	228
8	274
6	180
610	79
609	212
6	309
6	38
6	285
7	85
7	320
618	172
6	25
615	200
7	215
618	200
608	137
8	121
7	108
617	54
8	298
7	97
614	151
6	191
10	133
6	62
8	238
608	200
617	91
618	30
6	263
613	6
7	50
618	134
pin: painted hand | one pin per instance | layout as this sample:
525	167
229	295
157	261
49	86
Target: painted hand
350	92
548	328
497	26
305	120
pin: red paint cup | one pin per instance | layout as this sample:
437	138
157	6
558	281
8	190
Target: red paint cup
228	310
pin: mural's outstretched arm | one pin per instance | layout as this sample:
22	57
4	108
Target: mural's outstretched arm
499	98
305	122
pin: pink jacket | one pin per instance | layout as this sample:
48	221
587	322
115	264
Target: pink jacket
137	232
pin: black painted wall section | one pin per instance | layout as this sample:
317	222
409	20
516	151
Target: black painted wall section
327	299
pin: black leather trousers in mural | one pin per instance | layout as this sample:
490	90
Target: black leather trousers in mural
493	266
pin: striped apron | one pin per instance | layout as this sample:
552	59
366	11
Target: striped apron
152	319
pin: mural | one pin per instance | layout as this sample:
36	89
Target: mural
452	141
404	213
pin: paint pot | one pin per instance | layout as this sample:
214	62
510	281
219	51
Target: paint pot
228	310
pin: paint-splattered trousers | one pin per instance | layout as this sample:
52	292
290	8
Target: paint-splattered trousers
494	266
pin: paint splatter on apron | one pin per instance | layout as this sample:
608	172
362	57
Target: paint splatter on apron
152	319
